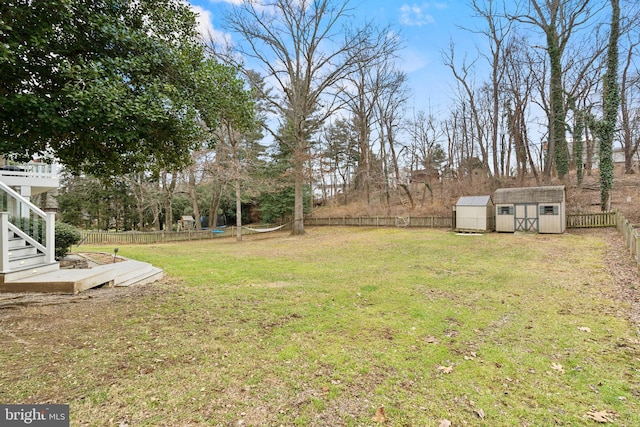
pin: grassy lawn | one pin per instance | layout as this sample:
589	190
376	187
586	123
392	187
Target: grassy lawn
322	330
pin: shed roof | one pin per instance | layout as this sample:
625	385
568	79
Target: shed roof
549	194
474	201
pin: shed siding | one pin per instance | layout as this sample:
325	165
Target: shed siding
471	218
540	209
505	221
475	213
552	222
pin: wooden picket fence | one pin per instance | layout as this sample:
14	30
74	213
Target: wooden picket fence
100	237
383	221
583	220
592	220
631	234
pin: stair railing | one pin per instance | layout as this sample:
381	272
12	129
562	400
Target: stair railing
23	218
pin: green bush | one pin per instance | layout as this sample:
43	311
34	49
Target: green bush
66	235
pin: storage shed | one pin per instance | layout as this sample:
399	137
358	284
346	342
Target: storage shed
474	213
536	209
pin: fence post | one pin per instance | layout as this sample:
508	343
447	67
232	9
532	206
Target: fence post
637	243
51	237
4	241
634	244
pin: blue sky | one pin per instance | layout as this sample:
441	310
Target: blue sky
426	26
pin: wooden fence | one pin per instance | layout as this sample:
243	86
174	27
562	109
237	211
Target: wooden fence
591	220
99	237
384	221
631	235
586	220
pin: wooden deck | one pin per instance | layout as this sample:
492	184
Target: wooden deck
72	281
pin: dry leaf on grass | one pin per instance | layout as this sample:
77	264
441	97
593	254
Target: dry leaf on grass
431	339
445	423
601	416
445	369
584	329
380	416
557	367
471	356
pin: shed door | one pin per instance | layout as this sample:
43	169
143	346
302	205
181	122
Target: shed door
526	218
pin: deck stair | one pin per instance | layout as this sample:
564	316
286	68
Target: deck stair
22	254
27	254
73	281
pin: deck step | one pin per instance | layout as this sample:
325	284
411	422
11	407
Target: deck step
28	271
27	260
16	242
149	276
73	281
20	251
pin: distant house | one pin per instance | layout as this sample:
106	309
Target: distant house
424	175
535	209
474	213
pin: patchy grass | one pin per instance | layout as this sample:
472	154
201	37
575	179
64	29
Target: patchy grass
323	329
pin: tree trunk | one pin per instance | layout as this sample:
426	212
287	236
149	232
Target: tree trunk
216	195
194	198
611	94
558	148
168	189
238	211
298	212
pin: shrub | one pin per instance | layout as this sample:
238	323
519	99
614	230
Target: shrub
66	235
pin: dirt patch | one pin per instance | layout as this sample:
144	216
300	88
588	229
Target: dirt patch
101	257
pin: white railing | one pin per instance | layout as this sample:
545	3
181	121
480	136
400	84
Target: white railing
26	220
31	170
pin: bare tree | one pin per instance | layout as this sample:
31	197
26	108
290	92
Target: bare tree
194	175
361	93
427	154
558	20
298	46
168	181
496	32
605	127
467	93
519	85
391	85
630	97
146	196
337	158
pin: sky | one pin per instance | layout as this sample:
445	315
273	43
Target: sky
428	28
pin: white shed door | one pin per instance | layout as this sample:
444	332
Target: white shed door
526	218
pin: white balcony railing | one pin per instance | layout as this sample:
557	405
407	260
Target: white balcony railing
31	170
32	178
